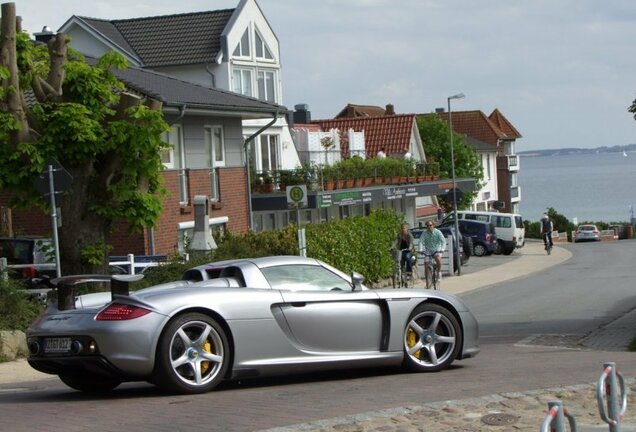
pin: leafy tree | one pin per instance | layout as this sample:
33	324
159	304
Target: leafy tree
632	109
107	139
436	140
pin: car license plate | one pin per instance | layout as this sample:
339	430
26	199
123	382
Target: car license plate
57	345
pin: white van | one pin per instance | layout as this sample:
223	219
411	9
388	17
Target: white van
509	227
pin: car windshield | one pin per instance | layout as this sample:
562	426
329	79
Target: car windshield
304	278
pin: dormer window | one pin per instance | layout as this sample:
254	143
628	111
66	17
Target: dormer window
243	47
262	51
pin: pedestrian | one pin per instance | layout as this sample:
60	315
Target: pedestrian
405	242
546	231
433	244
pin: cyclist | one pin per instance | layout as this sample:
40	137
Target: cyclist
406	243
433	242
546	231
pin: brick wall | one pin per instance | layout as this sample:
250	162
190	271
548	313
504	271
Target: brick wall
233	203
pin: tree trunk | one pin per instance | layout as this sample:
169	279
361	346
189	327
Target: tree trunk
81	228
11	86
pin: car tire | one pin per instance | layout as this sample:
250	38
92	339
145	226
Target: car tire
90	383
499	247
432	339
193	355
479	249
467	244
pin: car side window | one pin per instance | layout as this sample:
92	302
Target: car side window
304	278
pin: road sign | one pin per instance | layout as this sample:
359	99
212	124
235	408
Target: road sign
450	196
297	196
61	178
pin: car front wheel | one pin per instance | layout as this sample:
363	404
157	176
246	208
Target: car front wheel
193	355
432	339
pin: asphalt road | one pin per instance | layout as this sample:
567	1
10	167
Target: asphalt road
509	311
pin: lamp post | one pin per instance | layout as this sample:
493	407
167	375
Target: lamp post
450	126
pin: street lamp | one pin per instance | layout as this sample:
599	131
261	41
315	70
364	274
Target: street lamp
450	127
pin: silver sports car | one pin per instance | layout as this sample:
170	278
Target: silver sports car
243	318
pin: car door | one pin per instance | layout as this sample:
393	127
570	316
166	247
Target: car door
323	312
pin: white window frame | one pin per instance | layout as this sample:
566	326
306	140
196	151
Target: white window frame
262	87
176	148
260	44
242	81
259	155
215	159
243	48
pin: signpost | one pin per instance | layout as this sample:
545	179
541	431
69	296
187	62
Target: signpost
54	176
297	197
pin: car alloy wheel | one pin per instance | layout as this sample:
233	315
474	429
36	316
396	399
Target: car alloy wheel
479	249
193	354
432	338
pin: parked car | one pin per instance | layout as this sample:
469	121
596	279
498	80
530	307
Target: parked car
587	232
482	233
243	318
508	226
464	252
29	258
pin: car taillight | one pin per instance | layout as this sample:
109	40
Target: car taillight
121	312
29	272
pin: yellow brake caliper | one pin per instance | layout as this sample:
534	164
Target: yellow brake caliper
207	347
411	340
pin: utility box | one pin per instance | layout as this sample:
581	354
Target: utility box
202	239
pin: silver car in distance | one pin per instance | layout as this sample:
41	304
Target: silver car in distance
243	318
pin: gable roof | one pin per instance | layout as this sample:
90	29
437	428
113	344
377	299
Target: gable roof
502	123
352	110
168	40
476	125
392	132
173	92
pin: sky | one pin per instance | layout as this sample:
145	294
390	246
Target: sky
562	71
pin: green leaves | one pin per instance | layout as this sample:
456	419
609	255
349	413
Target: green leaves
435	136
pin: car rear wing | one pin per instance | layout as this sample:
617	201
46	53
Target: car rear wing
119	285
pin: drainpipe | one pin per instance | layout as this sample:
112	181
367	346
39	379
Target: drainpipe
207	69
247	164
151	230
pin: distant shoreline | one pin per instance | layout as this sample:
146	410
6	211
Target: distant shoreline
630	148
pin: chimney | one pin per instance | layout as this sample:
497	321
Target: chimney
302	114
439	110
389	110
45	35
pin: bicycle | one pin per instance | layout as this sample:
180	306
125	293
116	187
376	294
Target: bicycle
401	278
548	246
431	276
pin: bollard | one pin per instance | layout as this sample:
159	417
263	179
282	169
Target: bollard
612	415
555	420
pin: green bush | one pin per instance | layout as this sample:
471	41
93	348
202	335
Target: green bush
354	244
17	311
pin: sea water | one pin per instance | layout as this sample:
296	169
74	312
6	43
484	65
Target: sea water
589	187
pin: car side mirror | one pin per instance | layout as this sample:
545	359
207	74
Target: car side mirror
356	280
